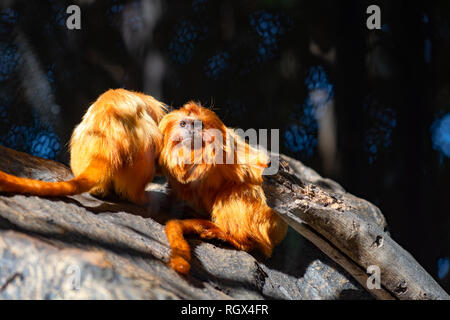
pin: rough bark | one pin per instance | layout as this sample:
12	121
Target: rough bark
350	227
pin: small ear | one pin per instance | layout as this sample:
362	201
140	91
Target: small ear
164	123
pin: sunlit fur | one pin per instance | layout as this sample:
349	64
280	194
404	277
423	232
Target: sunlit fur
230	195
113	149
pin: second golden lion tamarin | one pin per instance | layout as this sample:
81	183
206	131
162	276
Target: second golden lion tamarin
194	158
116	147
112	150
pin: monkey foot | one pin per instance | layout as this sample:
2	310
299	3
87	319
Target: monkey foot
180	265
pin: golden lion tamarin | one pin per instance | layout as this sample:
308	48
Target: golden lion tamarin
113	149
193	158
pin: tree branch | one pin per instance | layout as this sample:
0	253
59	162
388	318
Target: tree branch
337	219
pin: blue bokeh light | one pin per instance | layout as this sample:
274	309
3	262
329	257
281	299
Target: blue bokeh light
114	12
440	135
199	5
18	138
3	114
8	18
379	136
116	7
317	79
5	104
45	144
181	48
301	137
217	64
269	27
9	58
443	267
59	13
51	77
40	142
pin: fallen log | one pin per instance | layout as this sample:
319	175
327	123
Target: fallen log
82	247
343	228
120	249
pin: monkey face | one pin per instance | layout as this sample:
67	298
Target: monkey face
192	119
190	129
190	133
194	131
194	140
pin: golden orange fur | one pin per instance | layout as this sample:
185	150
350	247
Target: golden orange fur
113	149
229	193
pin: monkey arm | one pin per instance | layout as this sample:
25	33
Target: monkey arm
181	253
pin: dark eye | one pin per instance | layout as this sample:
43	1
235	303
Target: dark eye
183	124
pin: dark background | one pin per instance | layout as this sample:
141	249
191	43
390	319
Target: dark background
368	108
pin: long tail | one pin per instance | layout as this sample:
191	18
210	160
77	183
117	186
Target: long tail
181	252
82	183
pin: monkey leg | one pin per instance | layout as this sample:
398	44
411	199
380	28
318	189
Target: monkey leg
102	190
181	252
130	181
